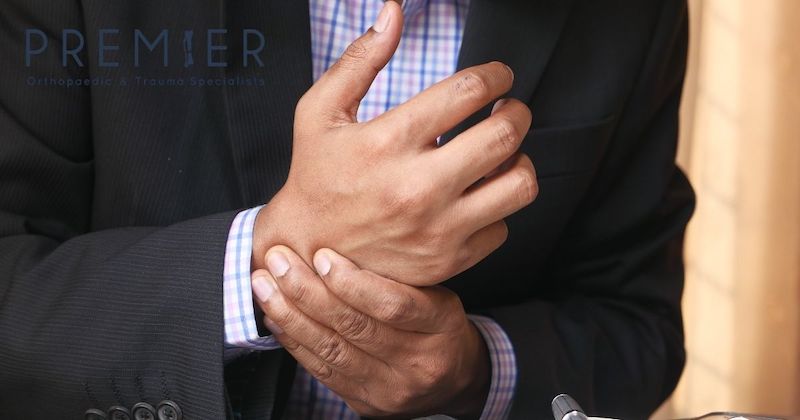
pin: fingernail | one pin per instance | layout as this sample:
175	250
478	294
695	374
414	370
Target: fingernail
322	263
278	264
272	326
383	19
498	104
263	289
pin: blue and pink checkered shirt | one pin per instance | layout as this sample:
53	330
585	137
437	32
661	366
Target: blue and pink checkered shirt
428	53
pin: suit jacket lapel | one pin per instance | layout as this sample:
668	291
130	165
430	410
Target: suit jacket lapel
260	118
520	33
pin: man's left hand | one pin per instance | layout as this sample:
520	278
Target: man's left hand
386	348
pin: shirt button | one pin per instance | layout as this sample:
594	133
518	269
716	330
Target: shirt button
119	413
168	410
144	411
94	414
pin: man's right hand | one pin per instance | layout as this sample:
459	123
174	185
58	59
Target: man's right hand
382	193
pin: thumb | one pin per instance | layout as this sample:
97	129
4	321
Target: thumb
340	90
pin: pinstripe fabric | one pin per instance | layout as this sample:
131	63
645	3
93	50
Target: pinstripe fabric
115	206
173	304
428	52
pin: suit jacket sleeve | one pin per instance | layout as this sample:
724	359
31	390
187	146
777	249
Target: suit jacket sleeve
91	319
611	334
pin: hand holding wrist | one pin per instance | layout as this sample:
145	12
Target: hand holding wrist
381	192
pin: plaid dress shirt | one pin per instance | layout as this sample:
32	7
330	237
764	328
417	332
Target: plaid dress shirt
428	53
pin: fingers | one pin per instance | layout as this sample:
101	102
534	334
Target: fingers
502	194
313	364
299	333
484	242
339	91
482	148
398	305
306	291
445	104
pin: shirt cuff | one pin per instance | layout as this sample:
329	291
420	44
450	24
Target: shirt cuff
241	331
504	368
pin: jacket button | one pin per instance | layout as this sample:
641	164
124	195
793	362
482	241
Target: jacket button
144	411
168	410
94	414
119	413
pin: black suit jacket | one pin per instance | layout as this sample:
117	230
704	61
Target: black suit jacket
115	204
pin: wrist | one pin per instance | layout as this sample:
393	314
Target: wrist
265	232
281	222
470	401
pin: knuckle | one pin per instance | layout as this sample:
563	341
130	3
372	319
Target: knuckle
298	289
290	344
396	308
526	186
356	51
380	143
333	351
473	84
340	279
356	326
506	135
322	371
433	375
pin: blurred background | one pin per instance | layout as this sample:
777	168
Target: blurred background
740	145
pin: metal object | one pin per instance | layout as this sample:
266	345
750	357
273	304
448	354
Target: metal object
565	408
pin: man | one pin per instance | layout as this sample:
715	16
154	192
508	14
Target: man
131	219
